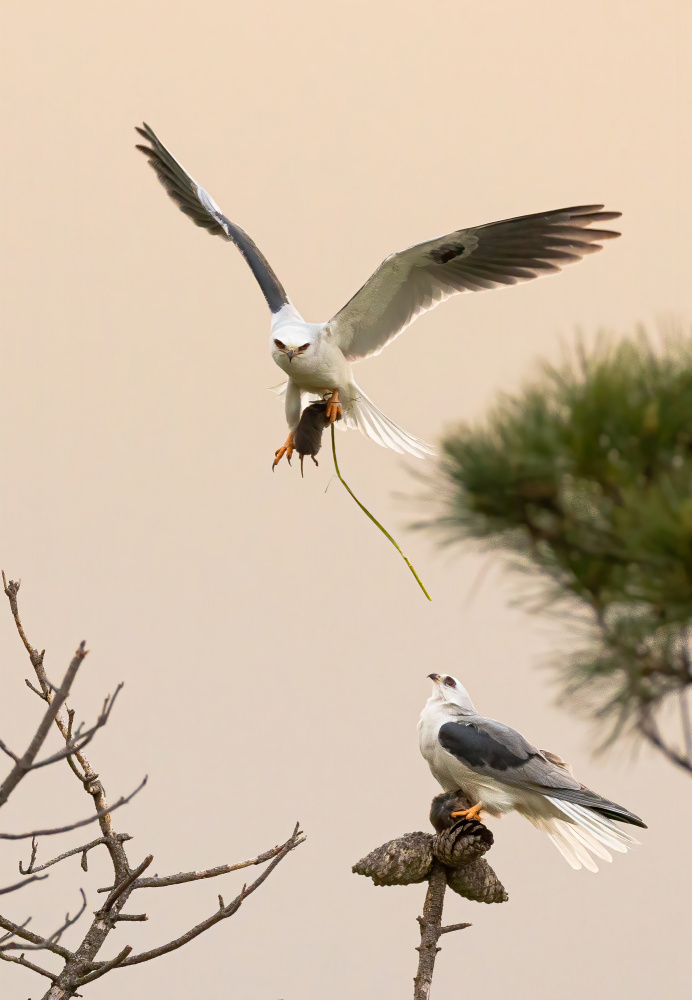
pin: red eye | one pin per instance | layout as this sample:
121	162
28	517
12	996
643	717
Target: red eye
449	681
282	347
303	347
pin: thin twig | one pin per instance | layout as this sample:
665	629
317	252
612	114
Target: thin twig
101	814
82	739
28	965
20	885
453	927
55	936
372	518
158	882
44	943
222	913
68	854
126	883
106	967
24	765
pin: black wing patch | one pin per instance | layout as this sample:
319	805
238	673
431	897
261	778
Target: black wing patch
447	252
478	749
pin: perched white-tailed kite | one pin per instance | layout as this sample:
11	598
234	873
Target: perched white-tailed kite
317	357
499	770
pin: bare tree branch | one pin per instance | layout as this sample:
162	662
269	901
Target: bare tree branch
430	930
125	884
44	943
157	881
224	911
106	967
81	966
28	965
20	885
55	936
24	765
83	850
82	822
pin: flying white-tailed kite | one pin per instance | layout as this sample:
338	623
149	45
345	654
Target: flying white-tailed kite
317	357
499	770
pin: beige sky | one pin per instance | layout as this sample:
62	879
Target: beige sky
274	647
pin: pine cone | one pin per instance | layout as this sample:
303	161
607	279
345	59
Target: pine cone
399	862
462	843
477	881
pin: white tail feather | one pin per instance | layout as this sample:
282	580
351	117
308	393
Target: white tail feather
578	833
364	416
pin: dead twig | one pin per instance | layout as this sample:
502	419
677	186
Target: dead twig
83	850
20	885
55	936
99	815
223	912
158	882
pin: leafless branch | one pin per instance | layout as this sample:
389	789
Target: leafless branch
28	965
80	966
223	912
157	881
25	763
83	738
55	936
20	930
106	967
125	884
83	850
453	927
99	815
20	885
430	930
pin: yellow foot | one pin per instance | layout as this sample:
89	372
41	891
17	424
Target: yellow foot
472	813
333	411
285	449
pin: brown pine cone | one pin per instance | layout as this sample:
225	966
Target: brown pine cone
399	862
462	843
477	881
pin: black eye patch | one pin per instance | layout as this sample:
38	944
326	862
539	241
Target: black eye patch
449	681
282	347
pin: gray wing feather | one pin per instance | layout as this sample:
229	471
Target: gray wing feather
496	751
198	205
501	253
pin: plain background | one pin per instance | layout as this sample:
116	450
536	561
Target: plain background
274	646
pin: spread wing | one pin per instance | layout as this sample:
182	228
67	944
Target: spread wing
501	754
501	253
198	205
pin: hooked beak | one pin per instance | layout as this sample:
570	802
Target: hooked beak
290	355
434	677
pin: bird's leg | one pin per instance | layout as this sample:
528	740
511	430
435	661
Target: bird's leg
333	411
472	813
285	449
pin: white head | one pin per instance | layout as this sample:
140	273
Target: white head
291	343
450	693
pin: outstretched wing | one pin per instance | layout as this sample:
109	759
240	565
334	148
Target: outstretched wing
198	204
502	253
497	752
